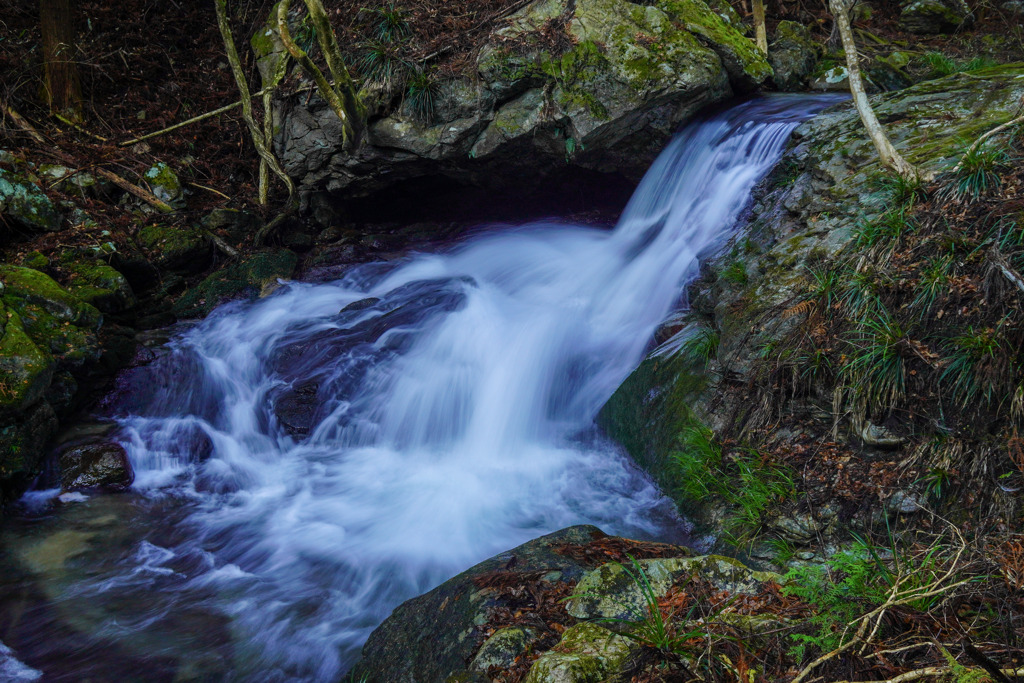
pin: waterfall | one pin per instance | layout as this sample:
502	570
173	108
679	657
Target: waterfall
308	461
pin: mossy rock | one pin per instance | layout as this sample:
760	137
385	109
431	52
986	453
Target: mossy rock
25	369
98	284
75	182
747	67
587	653
35	260
503	647
177	249
613	591
22	441
165	185
267	46
246	277
25	205
56	321
935	16
25	286
793	55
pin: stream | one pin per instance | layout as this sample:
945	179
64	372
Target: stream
308	461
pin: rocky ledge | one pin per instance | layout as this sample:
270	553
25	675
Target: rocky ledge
565	84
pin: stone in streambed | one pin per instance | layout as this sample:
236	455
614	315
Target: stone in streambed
100	465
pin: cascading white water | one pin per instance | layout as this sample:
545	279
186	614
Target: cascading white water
334	449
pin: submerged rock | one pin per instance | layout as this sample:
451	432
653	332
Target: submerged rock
100	465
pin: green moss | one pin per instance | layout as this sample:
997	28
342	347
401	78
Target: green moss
574	72
164	183
35	260
246	276
24	286
100	285
651	408
587	653
735	50
25	369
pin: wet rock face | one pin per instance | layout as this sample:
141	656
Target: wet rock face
631	75
99	465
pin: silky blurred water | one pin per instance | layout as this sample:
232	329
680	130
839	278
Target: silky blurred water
308	461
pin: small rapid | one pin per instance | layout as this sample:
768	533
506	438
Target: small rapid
308	461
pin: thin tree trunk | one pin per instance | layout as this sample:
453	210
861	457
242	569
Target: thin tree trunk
342	97
258	140
62	87
887	153
760	31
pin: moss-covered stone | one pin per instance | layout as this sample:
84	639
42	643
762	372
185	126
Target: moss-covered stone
25	286
502	648
35	260
587	653
22	440
25	369
165	185
175	248
793	55
247	276
746	65
24	204
98	284
612	591
935	16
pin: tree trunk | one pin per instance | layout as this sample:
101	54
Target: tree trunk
342	97
62	89
760	32
887	153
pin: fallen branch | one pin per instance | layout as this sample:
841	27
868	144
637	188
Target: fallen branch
189	122
83	131
223	246
1009	273
148	197
938	671
22	123
210	189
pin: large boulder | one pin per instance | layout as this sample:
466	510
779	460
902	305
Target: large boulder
598	84
935	16
563	608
